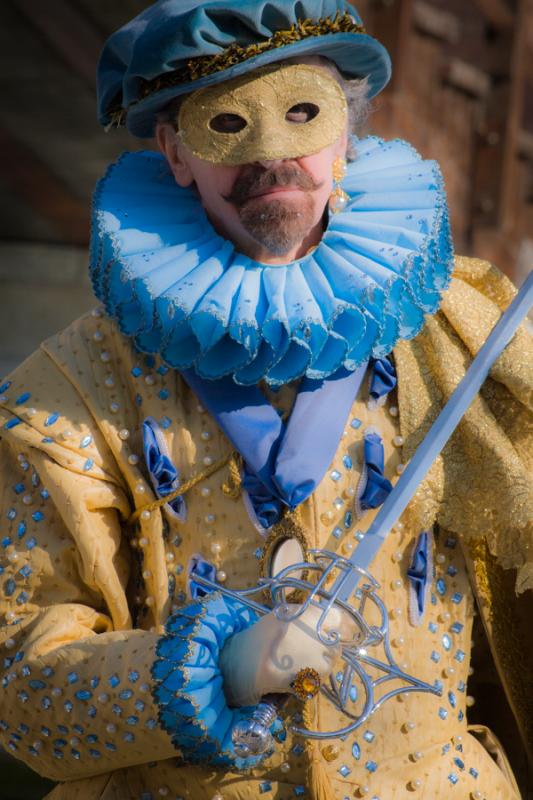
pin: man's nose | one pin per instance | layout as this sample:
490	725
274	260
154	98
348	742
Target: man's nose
270	164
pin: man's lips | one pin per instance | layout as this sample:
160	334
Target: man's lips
274	190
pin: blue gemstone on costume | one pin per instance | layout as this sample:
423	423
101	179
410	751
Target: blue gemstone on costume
347	461
91	712
457	627
474	773
356	423
68	706
133	720
348	519
21	530
460	656
140	705
335	475
125	694
151	724
133	676
129	737
23	398
73	677
446	641
31	543
57	753
86	441
92	738
164	394
337	532
95	753
37	516
457	597
11	514
51	420
344	770
461	686
116	710
46	703
435	656
138	400
6	541
25	671
368	736
60	742
23	696
452	777
45	731
452	699
136	372
94	682
432	627
162	370
452	570
450	542
371	766
446	749
165	423
356	751
83	694
36	685
18	488
89	464
265	786
440	586
12	423
114	681
459	763
443	713
45	494
47	440
9	587
75	754
23	728
298	749
5	386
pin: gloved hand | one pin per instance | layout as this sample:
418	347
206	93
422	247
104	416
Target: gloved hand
266	657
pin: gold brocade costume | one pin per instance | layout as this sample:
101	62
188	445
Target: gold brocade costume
84	599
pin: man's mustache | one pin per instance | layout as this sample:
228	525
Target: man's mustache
258	179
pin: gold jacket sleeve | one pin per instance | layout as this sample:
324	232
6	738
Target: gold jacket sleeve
76	695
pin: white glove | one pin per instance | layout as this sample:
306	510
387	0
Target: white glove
266	657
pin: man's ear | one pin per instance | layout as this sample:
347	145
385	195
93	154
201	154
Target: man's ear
170	146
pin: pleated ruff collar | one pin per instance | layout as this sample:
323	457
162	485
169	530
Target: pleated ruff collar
182	291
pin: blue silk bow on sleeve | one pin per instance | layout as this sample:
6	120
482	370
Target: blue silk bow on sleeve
383	378
377	486
419	576
163	474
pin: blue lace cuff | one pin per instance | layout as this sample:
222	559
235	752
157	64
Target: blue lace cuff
188	684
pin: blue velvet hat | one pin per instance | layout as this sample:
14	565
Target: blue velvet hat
177	46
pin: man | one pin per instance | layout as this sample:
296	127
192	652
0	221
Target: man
232	406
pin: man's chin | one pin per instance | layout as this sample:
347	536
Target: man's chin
278	225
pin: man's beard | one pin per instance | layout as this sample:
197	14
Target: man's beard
278	225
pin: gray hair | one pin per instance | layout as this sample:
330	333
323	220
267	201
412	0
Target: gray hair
355	89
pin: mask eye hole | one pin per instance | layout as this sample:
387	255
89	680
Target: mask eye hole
227	123
302	113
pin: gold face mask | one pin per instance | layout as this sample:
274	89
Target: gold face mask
276	112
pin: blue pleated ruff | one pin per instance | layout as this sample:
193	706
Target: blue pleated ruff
183	292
